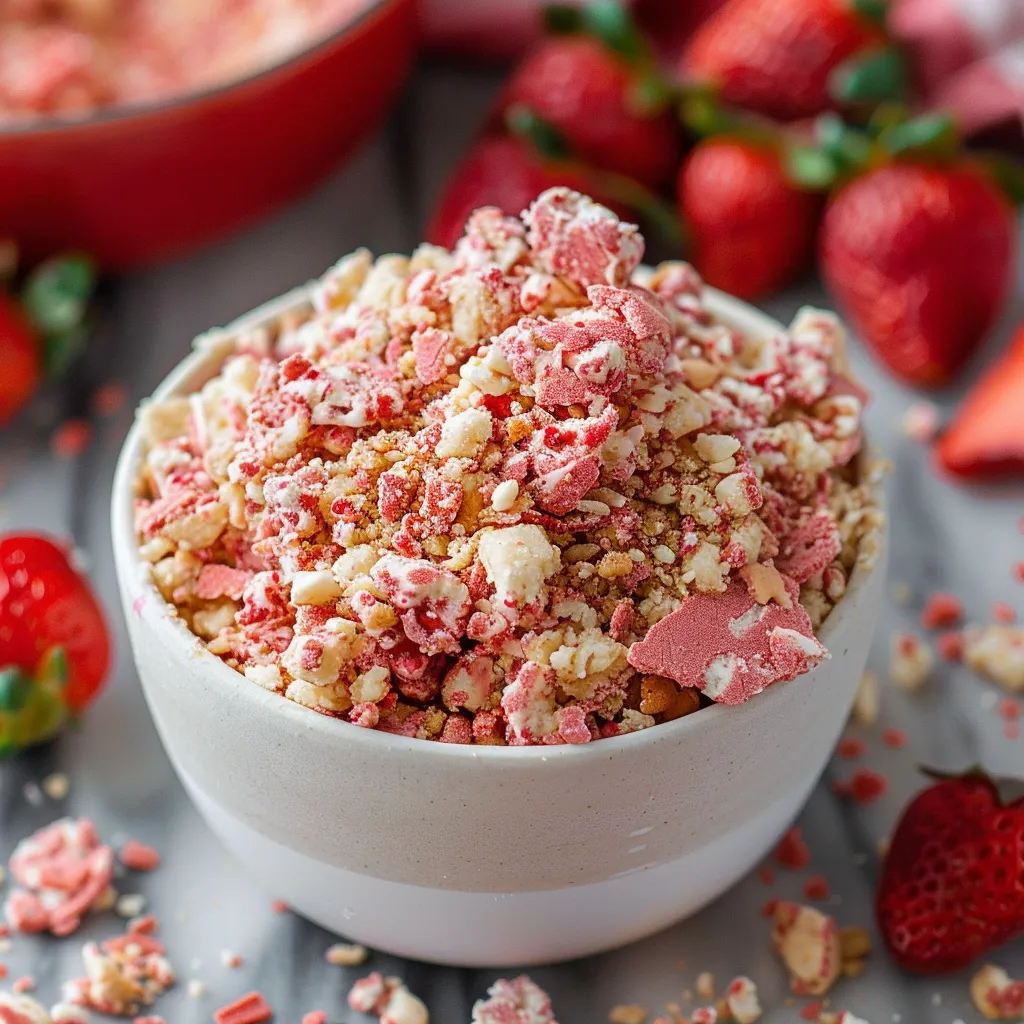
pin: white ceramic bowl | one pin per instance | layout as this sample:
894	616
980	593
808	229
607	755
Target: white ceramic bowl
481	856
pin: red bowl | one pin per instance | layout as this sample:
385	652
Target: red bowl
135	185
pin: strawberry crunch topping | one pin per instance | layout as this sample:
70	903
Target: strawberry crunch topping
523	492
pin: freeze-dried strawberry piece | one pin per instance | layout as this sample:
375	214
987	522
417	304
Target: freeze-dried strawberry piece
519	1001
221	581
430	346
729	646
560	387
808	549
395	492
529	704
575	238
442	500
559	491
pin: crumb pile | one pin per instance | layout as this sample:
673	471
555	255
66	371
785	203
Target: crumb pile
521	492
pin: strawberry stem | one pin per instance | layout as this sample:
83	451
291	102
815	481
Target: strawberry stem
878	75
15	686
56	299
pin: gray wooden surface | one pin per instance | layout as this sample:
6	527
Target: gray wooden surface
943	537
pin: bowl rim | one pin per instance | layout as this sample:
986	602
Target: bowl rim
210	349
43	125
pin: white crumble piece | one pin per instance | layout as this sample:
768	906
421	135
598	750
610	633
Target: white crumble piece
742	999
867	701
33	794
920	422
66	1013
22	1009
388	999
844	1017
230	960
705	985
56	786
130	905
519	1001
347	954
911	661
627	1014
807	942
996	995
196	989
480	496
997	653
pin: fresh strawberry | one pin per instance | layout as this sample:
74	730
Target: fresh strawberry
922	257
502	171
751	231
952	887
777	57
46	604
20	360
986	437
589	94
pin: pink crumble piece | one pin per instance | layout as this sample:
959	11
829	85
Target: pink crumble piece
279	906
941	611
138	856
71	439
792	852
519	1001
62	871
807	941
817	888
920	422
149	1020
388	999
950	645
895	738
109	398
251	1008
26	983
221	581
1004	613
864	786
21	1009
728	646
851	747
315	1017
766	875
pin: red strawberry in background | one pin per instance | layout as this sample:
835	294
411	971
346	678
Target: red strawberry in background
778	57
20	360
986	437
921	256
952	887
502	171
751	230
591	96
54	643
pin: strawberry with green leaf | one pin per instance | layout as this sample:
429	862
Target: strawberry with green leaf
55	647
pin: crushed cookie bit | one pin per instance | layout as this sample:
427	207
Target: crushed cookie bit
867	701
910	662
56	786
807	941
997	653
22	1009
388	999
62	871
742	1002
627	1014
130	905
477	501
996	995
345	954
519	1001
705	985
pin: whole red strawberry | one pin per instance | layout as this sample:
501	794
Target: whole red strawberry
503	171
776	57
576	84
921	257
20	360
46	604
952	886
751	231
985	440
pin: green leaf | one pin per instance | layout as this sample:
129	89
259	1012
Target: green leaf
810	168
874	11
57	293
562	19
650	94
886	115
930	135
880	74
15	688
849	148
1008	174
549	142
611	23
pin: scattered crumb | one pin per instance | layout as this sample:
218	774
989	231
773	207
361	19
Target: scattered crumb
807	941
741	1000
950	645
882	845
851	747
229	959
996	995
315	1017
867	702
766	875
389	999
863	787
920	422
1018	572
65	1013
279	906
705	985
139	857
817	888
144	925
895	738
812	1011
109	398
910	661
71	439
33	794
344	954
26	983
631	1014
792	852
901	593
56	786
997	653
130	905
1004	613
941	611
196	989
250	1009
